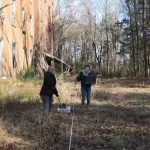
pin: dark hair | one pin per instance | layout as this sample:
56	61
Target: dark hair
48	60
87	65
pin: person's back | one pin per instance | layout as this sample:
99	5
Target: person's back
49	84
46	93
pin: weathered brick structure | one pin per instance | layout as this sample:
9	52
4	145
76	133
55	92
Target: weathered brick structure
24	25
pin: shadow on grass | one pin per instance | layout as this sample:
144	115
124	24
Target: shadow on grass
103	127
126	82
131	98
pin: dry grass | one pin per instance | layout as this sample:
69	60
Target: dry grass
119	117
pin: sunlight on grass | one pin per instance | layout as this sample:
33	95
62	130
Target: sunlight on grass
18	91
118	117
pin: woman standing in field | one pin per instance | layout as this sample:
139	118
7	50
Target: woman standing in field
85	85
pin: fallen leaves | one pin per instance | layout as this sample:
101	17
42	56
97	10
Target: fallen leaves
118	119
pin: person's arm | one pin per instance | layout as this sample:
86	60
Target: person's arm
55	92
79	77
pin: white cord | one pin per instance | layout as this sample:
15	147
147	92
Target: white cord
71	130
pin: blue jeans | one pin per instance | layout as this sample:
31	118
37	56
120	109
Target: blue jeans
47	103
86	92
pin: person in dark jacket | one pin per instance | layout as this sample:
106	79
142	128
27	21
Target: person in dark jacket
85	85
47	91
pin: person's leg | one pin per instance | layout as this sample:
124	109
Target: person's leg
50	103
88	90
46	104
83	94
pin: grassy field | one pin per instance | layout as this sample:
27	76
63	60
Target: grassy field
119	117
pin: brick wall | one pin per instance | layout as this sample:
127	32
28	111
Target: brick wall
15	37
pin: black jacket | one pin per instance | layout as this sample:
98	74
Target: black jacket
83	79
49	85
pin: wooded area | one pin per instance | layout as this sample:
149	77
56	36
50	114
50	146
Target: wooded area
113	36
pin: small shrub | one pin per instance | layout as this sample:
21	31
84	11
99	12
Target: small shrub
118	74
27	74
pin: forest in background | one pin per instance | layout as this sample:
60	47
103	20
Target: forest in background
113	36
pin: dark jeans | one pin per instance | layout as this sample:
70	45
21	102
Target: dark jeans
47	103
86	92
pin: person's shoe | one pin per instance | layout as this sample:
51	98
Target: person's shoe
88	109
82	108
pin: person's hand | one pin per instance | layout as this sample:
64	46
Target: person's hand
57	94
